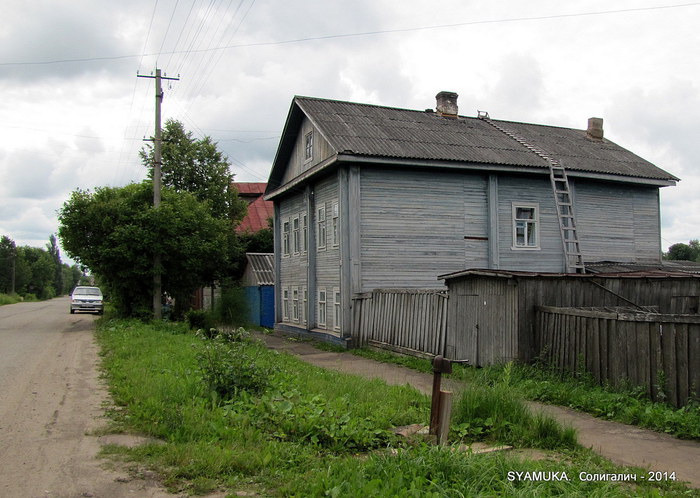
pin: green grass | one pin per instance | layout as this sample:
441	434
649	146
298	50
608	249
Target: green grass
629	406
9	299
310	432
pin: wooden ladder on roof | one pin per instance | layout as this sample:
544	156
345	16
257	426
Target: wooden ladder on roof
562	198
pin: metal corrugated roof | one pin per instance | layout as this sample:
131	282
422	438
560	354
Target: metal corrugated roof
386	132
528	274
262	266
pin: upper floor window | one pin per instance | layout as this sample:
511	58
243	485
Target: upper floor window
285	238
295	236
304	233
309	146
321	233
526	226
335	236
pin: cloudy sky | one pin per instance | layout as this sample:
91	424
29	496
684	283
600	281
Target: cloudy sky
73	113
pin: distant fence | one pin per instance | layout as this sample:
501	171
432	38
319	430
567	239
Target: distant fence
404	320
657	351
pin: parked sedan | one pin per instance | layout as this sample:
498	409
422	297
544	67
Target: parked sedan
88	299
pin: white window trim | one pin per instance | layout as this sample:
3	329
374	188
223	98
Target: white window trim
321	233
536	219
337	309
296	243
295	304
304	304
322	313
285	304
335	225
286	225
304	223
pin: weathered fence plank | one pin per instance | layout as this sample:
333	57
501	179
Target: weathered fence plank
659	352
413	321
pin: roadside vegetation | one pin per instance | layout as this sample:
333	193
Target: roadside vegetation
33	273
229	414
538	383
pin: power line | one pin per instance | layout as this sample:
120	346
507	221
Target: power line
359	34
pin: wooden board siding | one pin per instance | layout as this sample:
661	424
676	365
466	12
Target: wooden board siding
531	190
292	267
665	295
618	222
297	162
413	225
482	321
327	268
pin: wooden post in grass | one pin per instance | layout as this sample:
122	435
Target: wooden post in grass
445	415
440	366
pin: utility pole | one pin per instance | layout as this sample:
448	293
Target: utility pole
157	160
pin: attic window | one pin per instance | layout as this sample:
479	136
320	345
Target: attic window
309	146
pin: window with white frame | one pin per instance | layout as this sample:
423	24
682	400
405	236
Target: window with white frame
309	146
304	232
322	308
295	236
295	304
336	308
304	305
321	233
335	236
285	238
285	304
526	226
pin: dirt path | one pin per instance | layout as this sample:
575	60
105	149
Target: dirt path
50	405
623	444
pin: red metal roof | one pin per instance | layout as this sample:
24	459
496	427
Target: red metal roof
259	211
249	188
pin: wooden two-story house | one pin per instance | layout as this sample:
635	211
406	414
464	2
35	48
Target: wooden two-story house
369	197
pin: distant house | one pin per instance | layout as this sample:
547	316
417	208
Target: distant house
259	210
369	197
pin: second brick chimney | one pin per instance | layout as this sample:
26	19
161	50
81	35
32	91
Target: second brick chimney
446	104
595	128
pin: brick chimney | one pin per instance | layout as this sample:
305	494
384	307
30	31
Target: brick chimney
595	128
446	104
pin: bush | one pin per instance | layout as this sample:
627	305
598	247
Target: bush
232	308
230	367
199	319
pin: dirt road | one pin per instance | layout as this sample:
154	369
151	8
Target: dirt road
50	405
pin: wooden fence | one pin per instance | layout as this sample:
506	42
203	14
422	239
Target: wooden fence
408	321
657	351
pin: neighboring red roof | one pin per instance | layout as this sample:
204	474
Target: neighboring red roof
250	188
259	211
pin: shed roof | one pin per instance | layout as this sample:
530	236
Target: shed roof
262	268
372	131
528	274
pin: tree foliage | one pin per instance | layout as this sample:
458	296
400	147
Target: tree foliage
34	271
684	252
116	233
198	167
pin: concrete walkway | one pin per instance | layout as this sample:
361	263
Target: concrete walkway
622	444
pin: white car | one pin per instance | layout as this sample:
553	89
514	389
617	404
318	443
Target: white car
87	299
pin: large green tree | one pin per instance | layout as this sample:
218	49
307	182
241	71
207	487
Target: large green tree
35	272
55	253
684	252
115	232
198	167
8	255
